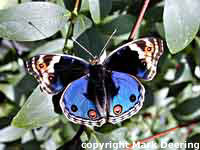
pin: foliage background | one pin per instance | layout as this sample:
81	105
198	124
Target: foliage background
30	120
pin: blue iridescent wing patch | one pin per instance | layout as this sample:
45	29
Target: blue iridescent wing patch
77	107
138	58
129	98
56	71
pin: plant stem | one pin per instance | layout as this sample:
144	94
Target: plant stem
163	133
69	32
139	20
76	7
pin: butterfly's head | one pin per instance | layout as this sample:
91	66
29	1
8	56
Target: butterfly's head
94	61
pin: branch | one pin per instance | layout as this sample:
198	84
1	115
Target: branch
139	20
160	134
70	29
76	7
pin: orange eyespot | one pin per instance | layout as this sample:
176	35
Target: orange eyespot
41	66
117	109
148	49
92	114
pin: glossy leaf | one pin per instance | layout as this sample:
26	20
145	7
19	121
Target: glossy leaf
93	40
188	110
32	21
7	3
36	112
10	133
84	5
122	24
82	23
181	23
49	47
99	9
31	145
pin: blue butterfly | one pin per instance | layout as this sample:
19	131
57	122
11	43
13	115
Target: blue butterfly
96	93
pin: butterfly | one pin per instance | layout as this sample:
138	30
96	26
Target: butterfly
94	93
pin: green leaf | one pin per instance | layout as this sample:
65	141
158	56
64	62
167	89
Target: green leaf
188	110
24	87
8	90
160	97
36	112
99	9
181	23
7	3
32	21
82	23
31	145
160	29
118	135
176	89
92	40
122	24
183	74
84	5
10	133
49	47
196	51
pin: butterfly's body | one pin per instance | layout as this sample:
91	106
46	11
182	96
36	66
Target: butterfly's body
96	89
101	88
96	93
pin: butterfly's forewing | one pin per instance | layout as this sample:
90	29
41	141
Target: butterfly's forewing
138	58
77	107
54	71
129	98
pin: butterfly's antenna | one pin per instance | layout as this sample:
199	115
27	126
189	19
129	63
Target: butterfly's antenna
107	42
83	47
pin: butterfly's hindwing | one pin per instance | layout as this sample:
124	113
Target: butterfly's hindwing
54	71
77	107
129	98
138	58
